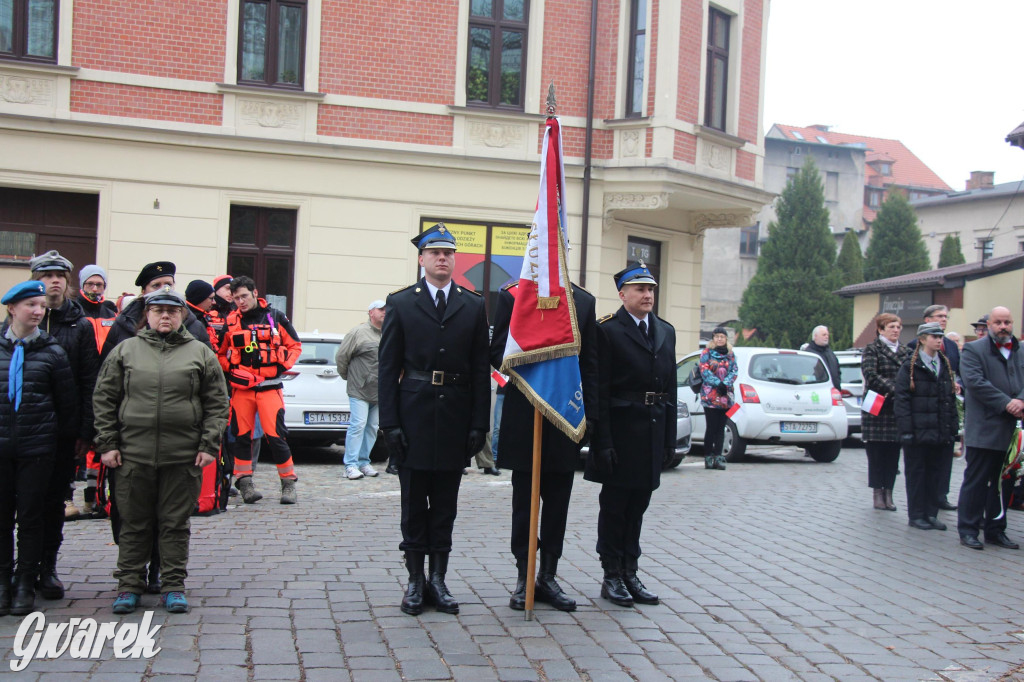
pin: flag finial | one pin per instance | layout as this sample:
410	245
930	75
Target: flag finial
552	105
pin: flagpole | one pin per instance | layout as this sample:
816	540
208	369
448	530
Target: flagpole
531	563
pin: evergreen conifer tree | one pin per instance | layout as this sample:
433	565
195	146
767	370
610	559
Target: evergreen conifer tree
896	247
792	291
952	252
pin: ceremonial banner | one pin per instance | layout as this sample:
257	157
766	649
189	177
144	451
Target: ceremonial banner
541	354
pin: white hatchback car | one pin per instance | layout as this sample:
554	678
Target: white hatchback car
316	409
785	396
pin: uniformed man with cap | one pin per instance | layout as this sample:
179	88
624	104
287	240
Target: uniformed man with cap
434	392
153	277
636	434
559	458
66	322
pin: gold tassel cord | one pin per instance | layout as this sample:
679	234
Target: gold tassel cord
547	302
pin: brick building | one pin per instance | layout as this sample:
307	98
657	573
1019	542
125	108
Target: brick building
305	141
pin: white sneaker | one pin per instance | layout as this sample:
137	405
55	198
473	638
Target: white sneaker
368	470
353	473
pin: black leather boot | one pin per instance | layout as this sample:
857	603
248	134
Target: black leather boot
437	592
24	599
640	594
412	602
612	588
49	585
517	601
547	589
5	587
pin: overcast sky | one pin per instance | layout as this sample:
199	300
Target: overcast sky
942	76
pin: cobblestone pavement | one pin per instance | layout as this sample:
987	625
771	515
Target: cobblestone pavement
777	569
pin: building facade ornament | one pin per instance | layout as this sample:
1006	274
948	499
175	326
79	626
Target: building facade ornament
727	219
270	114
644	201
22	90
497	135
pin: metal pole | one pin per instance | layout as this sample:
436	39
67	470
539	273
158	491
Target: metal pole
585	228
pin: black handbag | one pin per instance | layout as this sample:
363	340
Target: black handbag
695	380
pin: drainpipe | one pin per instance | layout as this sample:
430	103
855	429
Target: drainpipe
585	231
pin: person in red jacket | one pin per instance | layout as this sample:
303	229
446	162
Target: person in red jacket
259	345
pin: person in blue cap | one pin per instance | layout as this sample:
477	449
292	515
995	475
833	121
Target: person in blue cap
434	404
38	404
636	429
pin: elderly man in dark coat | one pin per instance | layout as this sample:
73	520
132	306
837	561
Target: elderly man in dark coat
992	369
636	432
434	391
559	454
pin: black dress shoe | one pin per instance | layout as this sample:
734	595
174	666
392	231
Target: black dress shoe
935	523
920	524
971	541
1000	540
945	505
493	471
392	469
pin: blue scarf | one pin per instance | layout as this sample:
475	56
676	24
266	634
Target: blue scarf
14	376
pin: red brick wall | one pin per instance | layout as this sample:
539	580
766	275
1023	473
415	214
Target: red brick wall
652	38
574	142
745	162
691	47
566	38
393	126
390	50
750	72
110	99
151	37
685	147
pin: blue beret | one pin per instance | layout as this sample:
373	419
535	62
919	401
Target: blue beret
634	273
437	237
22	291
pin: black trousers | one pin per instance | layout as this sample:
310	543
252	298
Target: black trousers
56	494
714	431
883	463
980	507
430	502
923	470
945	473
555	491
23	484
620	520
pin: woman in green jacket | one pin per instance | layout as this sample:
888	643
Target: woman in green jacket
160	408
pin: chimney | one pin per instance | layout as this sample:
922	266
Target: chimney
981	180
821	127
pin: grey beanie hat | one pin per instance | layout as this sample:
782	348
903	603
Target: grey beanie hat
90	270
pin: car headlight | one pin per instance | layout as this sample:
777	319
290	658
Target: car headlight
681	409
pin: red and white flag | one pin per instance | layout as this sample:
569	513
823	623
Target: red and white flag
872	403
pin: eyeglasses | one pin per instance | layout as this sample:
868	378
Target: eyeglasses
169	310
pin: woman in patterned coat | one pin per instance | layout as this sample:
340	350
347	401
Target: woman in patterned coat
718	372
879	364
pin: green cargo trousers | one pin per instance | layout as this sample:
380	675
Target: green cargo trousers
155	500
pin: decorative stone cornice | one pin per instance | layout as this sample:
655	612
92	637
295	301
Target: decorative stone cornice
703	221
637	201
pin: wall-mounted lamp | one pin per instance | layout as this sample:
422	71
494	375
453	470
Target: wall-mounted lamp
156	203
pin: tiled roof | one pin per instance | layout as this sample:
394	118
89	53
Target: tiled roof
1017	136
1002	190
949	277
907	169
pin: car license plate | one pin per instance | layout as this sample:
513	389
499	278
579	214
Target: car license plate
325	417
799	427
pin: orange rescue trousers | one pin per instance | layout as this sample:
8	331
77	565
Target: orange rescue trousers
269	405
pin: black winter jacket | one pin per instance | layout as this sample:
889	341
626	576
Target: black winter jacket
103	310
927	415
49	400
70	328
127	324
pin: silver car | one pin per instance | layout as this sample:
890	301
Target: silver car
852	387
316	409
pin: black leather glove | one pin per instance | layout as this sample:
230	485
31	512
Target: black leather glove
670	454
605	459
474	443
398	446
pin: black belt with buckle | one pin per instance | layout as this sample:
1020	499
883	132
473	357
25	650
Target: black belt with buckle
437	377
645	398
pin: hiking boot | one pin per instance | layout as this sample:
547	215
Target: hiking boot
71	511
436	592
288	494
547	589
175	602
412	601
126	602
249	493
